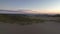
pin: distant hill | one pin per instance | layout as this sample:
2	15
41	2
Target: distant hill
57	15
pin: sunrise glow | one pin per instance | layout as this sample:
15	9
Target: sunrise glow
36	6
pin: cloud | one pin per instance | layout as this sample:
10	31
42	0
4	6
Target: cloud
30	11
16	12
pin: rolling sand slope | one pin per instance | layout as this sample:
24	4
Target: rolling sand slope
41	28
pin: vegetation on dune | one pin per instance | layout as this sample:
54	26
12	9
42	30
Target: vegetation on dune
57	18
19	19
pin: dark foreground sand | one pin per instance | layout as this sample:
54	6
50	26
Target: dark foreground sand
41	28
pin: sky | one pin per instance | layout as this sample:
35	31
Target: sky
40	6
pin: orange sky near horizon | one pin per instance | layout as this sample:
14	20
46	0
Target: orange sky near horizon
47	11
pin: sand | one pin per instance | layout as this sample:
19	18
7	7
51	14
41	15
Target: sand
40	28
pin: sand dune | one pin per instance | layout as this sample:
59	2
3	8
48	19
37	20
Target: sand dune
41	28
